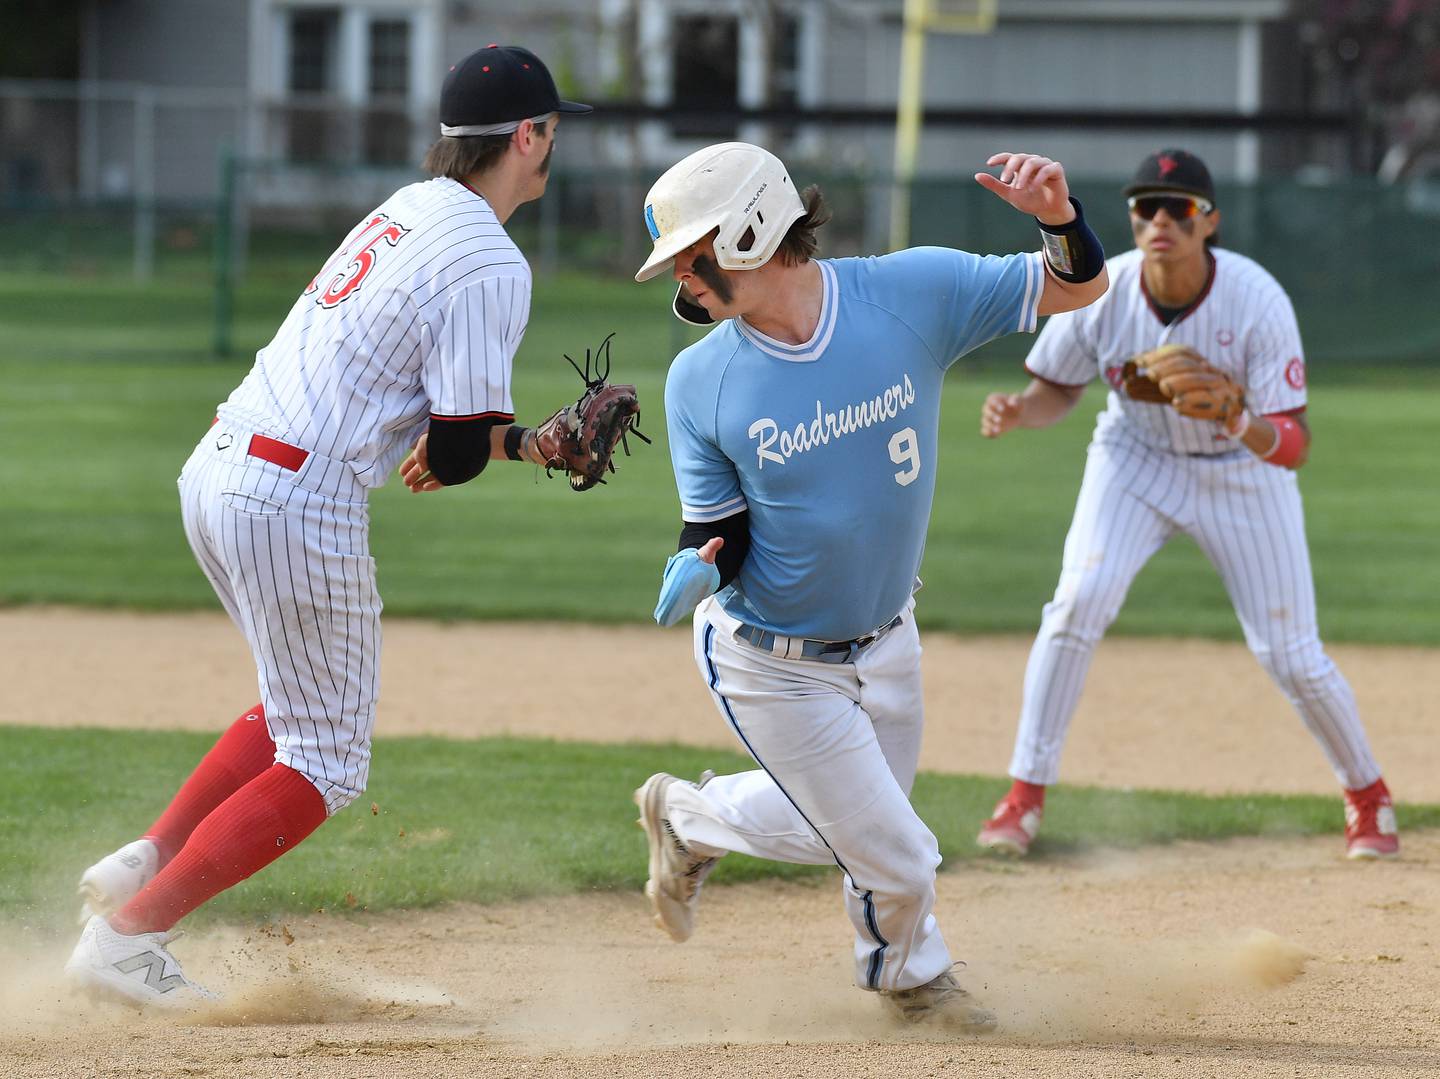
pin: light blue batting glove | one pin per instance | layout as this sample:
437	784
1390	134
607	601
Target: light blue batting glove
687	581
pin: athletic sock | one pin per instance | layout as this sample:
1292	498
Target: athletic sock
241	754
1369	794
1030	794
249	830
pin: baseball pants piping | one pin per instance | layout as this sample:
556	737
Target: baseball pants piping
837	745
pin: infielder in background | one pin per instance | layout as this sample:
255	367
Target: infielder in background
1153	472
803	433
404	339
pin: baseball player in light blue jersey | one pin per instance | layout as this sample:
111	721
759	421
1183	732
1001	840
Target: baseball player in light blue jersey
803	433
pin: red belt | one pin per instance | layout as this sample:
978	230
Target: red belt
278	453
273	450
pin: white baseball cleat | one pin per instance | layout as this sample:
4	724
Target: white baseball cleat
941	1002
138	969
675	873
116	878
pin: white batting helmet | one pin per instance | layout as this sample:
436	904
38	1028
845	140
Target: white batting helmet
741	189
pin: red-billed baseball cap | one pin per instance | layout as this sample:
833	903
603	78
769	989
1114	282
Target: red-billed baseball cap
494	88
1172	170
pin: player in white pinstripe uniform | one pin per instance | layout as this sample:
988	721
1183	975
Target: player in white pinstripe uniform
401	344
1152	473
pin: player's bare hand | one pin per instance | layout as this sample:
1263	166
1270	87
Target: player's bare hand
415	469
999	413
1032	184
710	549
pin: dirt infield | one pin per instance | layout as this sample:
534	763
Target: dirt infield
1166	962
193	672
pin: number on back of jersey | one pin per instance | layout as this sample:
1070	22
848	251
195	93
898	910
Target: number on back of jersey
347	269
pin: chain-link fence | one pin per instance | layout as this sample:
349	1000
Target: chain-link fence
146	182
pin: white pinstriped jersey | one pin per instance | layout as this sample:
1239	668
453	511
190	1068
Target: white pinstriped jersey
420	310
1243	323
1151	474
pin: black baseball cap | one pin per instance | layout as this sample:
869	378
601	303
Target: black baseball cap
1173	170
497	86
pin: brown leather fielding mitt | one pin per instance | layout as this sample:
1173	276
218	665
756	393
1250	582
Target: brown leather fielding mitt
580	439
1179	376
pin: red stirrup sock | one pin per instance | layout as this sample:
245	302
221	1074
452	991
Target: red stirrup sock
1030	794
241	754
248	831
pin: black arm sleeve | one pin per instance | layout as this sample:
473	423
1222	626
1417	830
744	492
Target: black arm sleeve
734	530
459	447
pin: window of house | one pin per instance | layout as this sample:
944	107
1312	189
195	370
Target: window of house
314	47
387	129
706	77
709	69
785	69
347	82
314	35
389	58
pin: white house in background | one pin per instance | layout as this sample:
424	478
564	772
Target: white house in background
356	82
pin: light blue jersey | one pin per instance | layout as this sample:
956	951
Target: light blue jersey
831	444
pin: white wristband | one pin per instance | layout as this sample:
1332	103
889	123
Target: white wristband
1238	434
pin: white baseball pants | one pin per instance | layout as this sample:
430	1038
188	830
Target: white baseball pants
837	745
1248	519
288	554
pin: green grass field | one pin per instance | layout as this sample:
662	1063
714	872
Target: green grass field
108	385
499	819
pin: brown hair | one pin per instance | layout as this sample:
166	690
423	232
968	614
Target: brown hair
458	157
800	244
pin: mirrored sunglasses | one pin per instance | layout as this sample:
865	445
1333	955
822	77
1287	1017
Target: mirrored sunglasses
1176	207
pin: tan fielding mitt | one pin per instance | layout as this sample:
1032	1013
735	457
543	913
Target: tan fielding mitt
1179	376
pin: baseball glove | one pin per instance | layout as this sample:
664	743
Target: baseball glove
580	439
1179	376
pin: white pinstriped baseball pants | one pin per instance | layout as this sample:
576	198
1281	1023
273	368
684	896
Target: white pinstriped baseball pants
1248	519
837	745
288	554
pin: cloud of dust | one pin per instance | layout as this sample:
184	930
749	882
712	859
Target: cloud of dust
1144	988
270	978
696	995
279	978
35	997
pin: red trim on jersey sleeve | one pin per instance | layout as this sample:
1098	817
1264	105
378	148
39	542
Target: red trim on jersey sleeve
508	417
1285	412
1052	382
1189	308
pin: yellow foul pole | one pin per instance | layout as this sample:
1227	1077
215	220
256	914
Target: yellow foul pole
907	119
922	16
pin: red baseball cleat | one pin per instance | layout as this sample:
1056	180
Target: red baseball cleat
1370	829
1015	821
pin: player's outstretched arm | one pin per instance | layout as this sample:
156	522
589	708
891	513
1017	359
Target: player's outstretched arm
1074	260
1040	405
